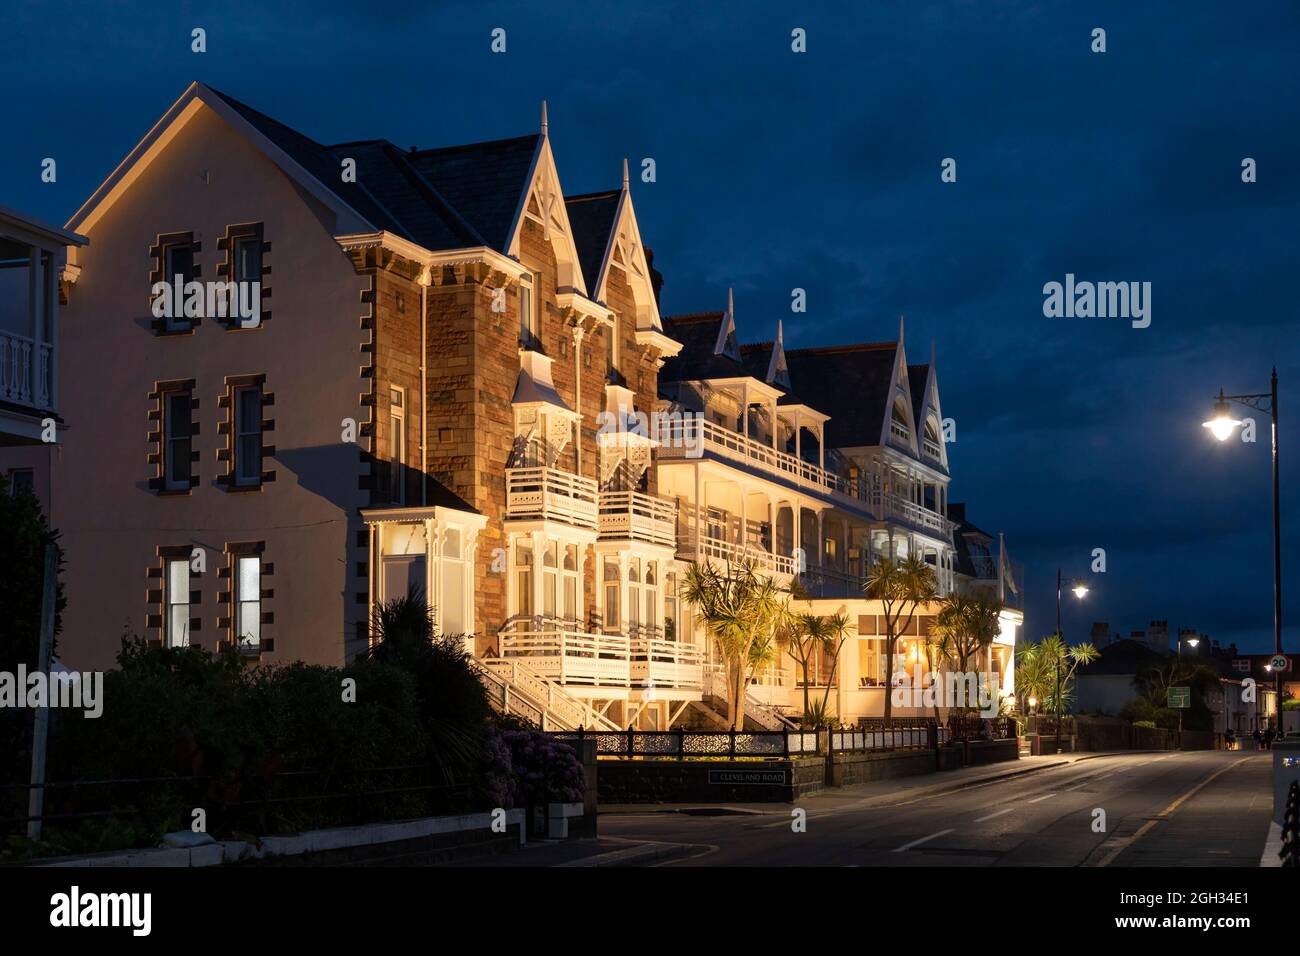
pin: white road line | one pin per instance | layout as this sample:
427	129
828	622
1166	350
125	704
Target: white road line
932	836
992	815
1046	796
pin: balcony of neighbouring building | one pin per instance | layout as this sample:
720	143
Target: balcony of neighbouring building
636	516
32	263
540	493
594	664
890	506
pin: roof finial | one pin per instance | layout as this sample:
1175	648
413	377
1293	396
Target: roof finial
731	303
625	173
900	328
780	333
544	123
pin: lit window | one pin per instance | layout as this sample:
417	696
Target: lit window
248	259
178	603
524	579
611	594
530	288
248	602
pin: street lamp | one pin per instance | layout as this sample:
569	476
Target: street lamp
1079	589
1191	642
1223	425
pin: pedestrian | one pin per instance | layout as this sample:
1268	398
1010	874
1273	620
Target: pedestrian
1229	739
1259	739
1268	738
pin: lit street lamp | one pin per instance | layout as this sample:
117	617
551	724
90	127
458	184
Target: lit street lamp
1223	425
1191	642
1079	589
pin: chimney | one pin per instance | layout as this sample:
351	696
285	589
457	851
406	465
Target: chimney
1100	633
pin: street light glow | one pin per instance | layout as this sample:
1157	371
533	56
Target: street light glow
1079	589
1222	425
1193	641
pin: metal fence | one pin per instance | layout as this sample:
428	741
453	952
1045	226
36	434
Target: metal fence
975	727
733	744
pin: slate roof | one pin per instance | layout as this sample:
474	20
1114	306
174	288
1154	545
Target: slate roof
439	198
591	217
850	383
756	357
918	377
698	333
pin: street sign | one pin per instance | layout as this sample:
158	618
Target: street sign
1179	697
750	778
1279	664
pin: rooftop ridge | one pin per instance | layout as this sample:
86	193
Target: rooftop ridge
841	349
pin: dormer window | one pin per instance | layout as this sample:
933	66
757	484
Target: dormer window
898	426
930	443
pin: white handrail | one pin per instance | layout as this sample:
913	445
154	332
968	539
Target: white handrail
25	369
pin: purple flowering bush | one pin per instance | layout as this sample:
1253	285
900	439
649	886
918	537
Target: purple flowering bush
499	786
545	770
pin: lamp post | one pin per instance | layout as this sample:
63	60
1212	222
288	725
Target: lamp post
1191	642
1079	589
1223	426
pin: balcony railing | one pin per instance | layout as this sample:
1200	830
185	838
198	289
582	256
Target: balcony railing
574	658
678	436
732	552
638	516
26	371
887	505
551	494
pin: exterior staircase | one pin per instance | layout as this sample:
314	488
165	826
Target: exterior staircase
515	688
713	708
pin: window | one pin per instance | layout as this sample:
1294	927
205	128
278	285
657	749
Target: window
930	443
634	594
650	594
670	607
524	579
550	578
530	287
397	445
248	602
611	347
570	582
248	435
178	267
177	628
871	658
898	426
178	431
22	481
248	259
454	618
611	594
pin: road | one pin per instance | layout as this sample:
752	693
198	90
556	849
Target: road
1175	809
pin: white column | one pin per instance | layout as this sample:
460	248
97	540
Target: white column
538	540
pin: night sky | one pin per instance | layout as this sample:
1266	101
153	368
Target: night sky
821	170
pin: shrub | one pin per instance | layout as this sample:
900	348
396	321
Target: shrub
1150	724
546	770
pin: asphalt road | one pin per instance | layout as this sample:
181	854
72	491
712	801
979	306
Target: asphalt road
1175	809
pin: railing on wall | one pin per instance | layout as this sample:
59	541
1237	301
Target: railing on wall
904	735
567	655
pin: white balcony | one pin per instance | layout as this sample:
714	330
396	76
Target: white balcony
732	552
638	517
549	494
26	371
579	660
679	437
889	506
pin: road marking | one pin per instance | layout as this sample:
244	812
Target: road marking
1166	813
992	815
1046	796
927	839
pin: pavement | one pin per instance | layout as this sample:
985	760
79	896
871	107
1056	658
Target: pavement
1208	808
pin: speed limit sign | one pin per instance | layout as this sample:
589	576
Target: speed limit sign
1279	663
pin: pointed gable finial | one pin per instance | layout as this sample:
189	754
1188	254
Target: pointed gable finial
778	370
726	343
544	123
625	181
900	328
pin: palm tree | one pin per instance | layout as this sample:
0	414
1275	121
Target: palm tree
900	588
743	612
965	628
1037	666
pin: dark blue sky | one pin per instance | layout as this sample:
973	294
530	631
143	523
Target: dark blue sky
821	171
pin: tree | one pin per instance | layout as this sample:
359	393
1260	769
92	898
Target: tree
743	613
1037	669
1154	682
901	588
965	628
